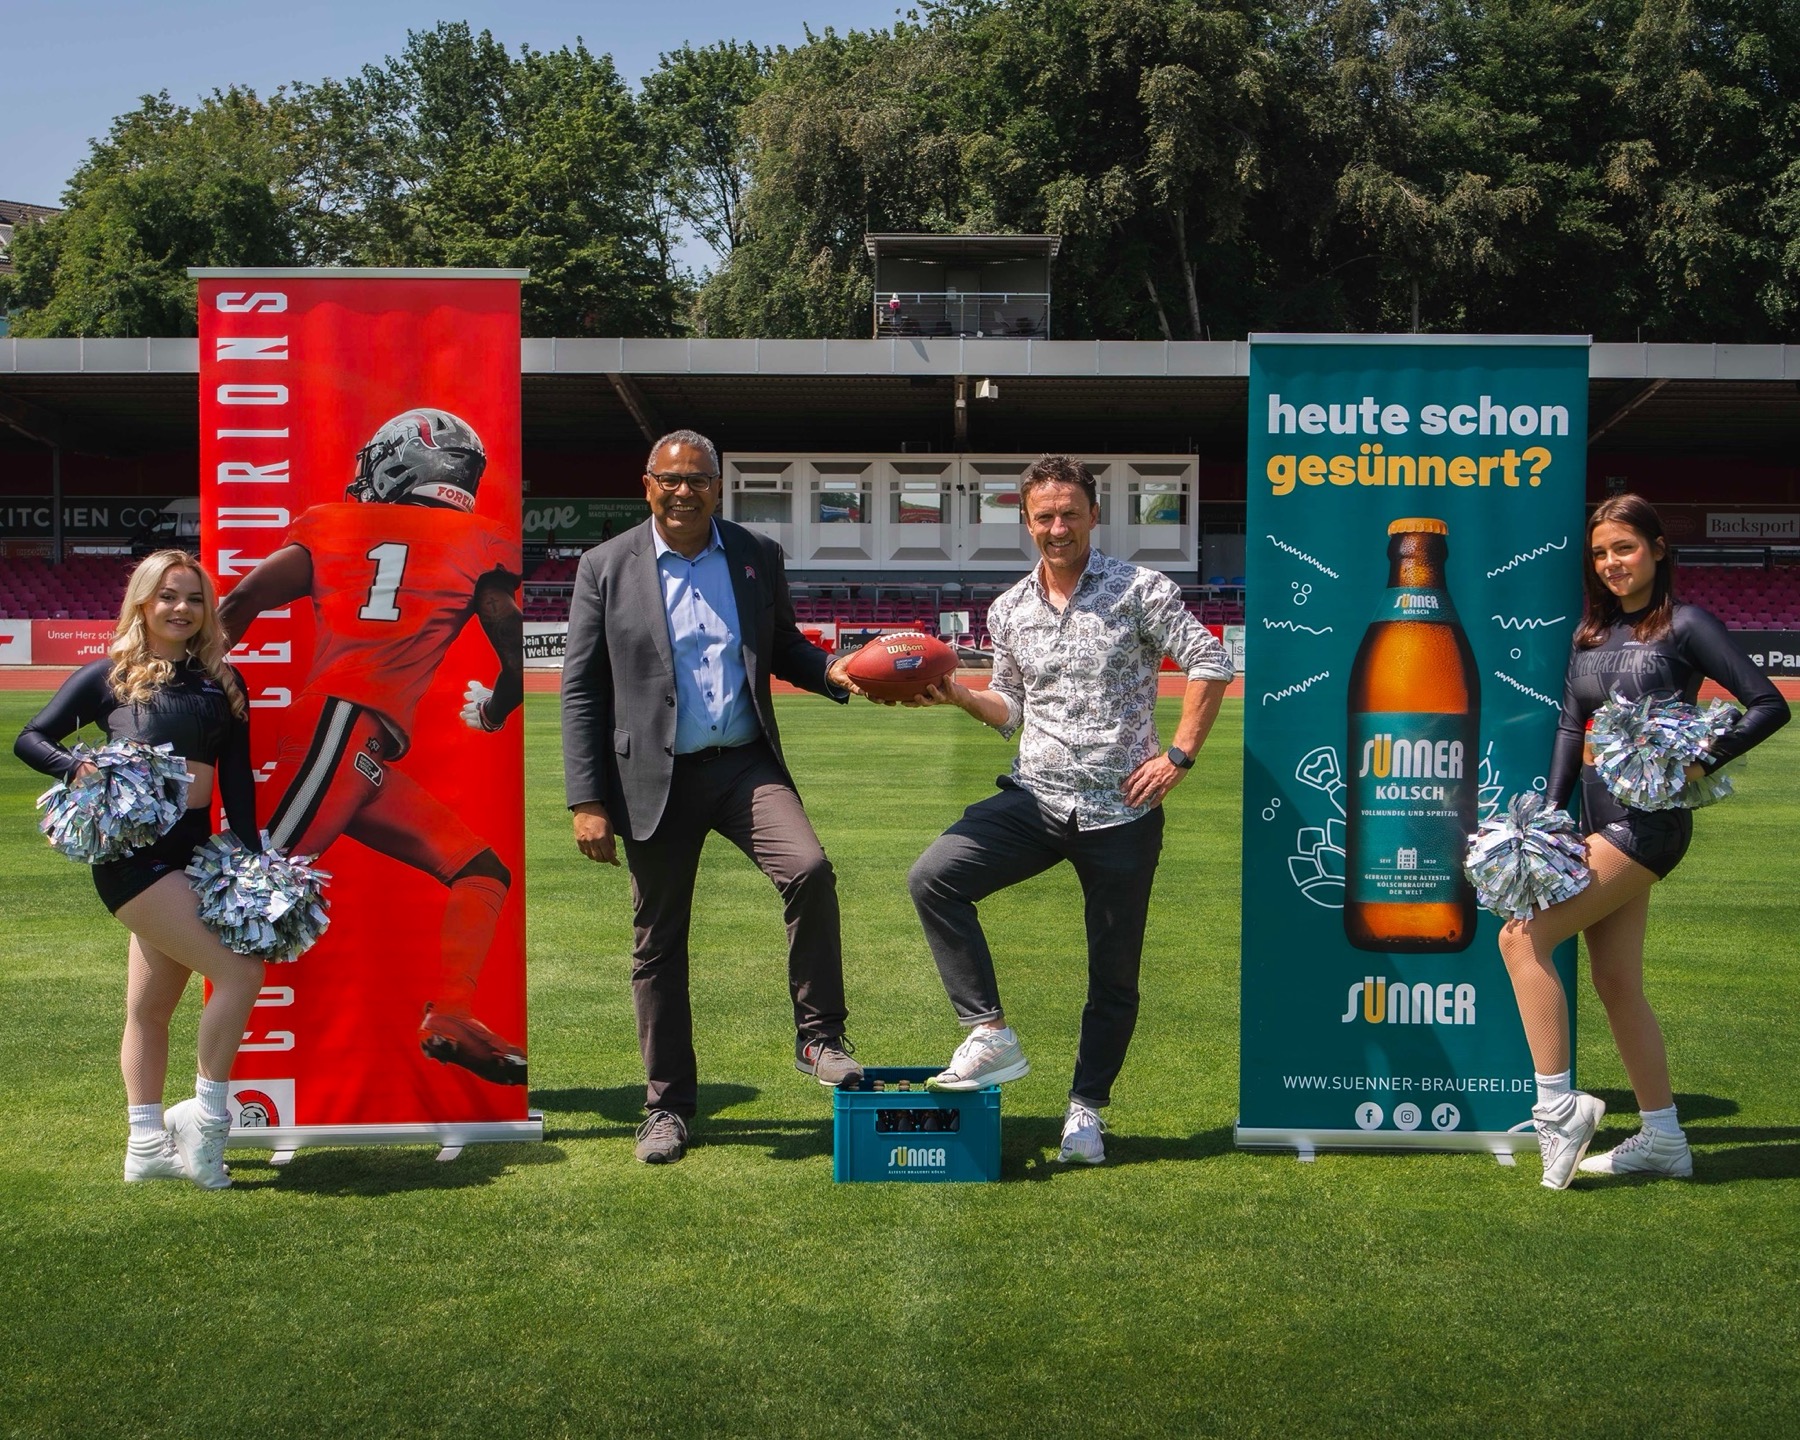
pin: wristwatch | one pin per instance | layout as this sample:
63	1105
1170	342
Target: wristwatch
1180	759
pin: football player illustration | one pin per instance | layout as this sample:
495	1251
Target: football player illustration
394	572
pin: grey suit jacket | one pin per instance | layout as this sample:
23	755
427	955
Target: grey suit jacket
618	685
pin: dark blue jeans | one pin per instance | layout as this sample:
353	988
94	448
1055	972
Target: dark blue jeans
1008	838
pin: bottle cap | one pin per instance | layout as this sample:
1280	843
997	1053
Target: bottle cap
1418	526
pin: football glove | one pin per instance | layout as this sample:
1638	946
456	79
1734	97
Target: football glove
473	713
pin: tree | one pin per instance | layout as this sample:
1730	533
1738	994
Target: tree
1131	127
457	153
453	153
1706	90
693	110
167	188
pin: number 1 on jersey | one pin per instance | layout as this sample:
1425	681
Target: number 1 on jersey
390	565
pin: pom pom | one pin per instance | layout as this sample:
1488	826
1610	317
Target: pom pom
1526	859
264	903
136	797
1642	749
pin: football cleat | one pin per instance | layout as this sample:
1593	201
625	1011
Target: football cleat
463	1040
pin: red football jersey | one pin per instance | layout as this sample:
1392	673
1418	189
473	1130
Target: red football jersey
392	586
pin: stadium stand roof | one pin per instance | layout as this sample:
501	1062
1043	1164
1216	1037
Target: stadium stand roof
137	397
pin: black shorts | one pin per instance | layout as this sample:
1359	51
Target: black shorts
1655	839
121	880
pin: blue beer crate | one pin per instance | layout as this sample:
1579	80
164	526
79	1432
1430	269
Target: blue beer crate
881	1132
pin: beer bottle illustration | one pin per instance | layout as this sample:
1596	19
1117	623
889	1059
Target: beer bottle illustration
1414	705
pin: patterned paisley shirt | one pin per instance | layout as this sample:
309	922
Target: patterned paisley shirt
1083	682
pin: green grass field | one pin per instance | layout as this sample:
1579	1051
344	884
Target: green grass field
1181	1289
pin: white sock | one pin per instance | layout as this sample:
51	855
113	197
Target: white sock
1662	1122
211	1095
146	1121
1551	1088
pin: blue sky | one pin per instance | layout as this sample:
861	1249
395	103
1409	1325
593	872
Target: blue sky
70	66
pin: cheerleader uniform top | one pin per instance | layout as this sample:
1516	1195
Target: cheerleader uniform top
191	714
1696	647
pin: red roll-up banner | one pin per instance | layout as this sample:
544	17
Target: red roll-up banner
360	458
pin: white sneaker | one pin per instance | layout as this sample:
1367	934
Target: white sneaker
1565	1129
1649	1152
201	1143
1081	1136
985	1057
163	1162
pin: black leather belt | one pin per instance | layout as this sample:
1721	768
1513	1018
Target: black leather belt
710	753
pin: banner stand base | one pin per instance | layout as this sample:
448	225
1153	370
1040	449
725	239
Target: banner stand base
450	1136
1503	1145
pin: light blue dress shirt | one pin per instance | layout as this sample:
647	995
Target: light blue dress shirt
712	695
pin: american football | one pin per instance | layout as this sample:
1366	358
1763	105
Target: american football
901	665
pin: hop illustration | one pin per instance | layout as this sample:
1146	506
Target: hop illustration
1317	864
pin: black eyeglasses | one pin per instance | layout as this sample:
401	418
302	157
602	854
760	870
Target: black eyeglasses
693	482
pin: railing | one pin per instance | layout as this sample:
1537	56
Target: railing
1014	314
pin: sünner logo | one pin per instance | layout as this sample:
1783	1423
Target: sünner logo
1418	602
1373	999
1383	755
931	1156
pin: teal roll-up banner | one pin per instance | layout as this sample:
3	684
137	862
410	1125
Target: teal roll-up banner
1413	568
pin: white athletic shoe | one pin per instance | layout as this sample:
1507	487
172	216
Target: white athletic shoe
1565	1129
163	1162
201	1143
1081	1136
1649	1152
985	1057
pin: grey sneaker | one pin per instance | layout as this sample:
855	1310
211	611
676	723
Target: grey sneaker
1081	1136
985	1057
828	1061
161	1161
201	1143
1565	1129
1649	1152
662	1138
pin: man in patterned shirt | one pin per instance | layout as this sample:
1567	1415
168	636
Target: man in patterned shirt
1078	645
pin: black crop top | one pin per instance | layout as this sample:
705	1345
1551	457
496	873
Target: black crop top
192	715
1696	647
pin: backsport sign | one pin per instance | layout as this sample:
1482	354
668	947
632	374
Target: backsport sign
1774	652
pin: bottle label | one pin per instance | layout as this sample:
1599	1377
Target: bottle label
1413	791
1415	604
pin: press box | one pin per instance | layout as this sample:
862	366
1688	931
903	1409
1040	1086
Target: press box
881	1132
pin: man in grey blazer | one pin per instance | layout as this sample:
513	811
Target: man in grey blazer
675	627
